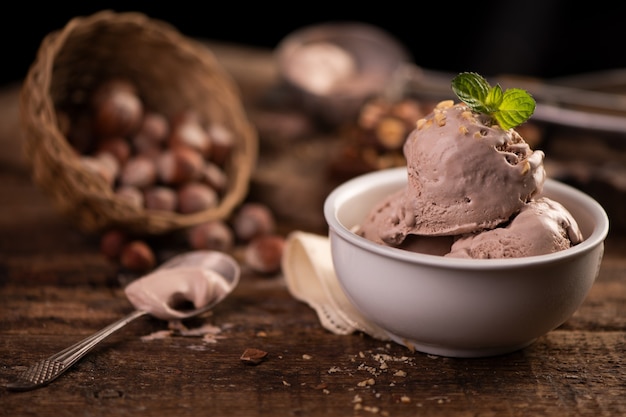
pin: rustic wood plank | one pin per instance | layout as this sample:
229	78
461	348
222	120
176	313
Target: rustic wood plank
55	288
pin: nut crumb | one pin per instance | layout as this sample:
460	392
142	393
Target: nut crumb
366	382
253	356
307	357
287	384
160	334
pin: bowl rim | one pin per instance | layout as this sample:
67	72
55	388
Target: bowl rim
362	182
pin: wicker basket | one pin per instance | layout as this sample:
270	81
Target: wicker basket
171	72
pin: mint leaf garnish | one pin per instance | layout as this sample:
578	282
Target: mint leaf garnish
509	108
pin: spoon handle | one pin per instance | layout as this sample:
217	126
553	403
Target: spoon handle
47	370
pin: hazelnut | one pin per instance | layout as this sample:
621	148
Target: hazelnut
211	235
146	147
188	131
155	127
111	243
139	171
194	197
117	108
371	112
391	133
215	176
137	256
104	165
179	165
160	198
408	110
252	220
263	254
151	137
131	194
116	146
222	143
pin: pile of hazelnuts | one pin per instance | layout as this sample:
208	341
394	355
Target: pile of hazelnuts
175	164
375	139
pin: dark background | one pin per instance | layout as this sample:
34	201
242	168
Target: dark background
544	39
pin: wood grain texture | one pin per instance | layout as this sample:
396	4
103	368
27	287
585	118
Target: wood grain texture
55	289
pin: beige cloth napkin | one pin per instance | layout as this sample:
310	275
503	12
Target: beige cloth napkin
308	269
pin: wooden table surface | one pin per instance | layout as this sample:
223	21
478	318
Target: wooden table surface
56	288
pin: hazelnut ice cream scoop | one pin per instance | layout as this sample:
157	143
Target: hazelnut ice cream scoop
542	226
465	174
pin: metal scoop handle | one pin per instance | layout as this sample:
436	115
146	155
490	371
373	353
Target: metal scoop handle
47	370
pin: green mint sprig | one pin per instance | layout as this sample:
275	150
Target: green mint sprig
509	108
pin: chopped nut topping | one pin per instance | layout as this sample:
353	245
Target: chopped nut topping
525	168
420	123
370	381
440	118
463	130
467	115
445	104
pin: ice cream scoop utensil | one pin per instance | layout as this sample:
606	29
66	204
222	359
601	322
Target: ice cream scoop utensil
203	278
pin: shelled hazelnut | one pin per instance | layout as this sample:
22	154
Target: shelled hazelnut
131	194
252	220
263	253
137	256
179	165
222	143
117	108
158	197
196	196
111	243
188	131
155	127
116	146
211	235
215	176
140	171
104	165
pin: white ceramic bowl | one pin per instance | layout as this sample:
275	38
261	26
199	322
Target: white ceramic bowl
460	307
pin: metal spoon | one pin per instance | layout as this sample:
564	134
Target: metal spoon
384	64
203	278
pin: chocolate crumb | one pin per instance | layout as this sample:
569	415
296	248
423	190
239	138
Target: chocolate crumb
253	356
